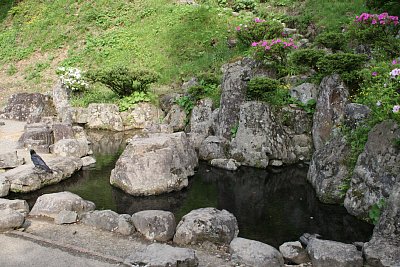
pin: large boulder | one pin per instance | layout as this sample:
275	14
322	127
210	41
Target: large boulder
104	117
10	219
329	114
156	225
162	255
206	224
71	148
80	115
154	165
50	205
140	115
377	170
304	92
384	247
108	220
61	102
260	137
254	253
10	160
38	136
26	178
328	170
30	107
327	253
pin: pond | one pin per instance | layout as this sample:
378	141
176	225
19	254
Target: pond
272	206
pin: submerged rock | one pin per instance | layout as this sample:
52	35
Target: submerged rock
154	165
51	205
254	253
206	224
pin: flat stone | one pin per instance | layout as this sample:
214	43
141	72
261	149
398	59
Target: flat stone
226	164
155	224
108	220
10	219
66	217
161	255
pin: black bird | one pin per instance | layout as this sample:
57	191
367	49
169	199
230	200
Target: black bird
39	162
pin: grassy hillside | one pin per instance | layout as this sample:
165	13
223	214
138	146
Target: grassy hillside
174	40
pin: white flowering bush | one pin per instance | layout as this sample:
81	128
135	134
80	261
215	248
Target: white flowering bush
73	79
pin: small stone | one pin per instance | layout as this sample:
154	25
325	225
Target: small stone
66	217
293	252
10	219
86	161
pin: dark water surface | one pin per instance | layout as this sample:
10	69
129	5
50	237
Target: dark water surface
271	206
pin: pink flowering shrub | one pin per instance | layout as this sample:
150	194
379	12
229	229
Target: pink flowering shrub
375	19
275	50
258	29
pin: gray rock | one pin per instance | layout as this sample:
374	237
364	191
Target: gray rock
156	225
61	102
107	220
201	118
327	253
293	252
38	136
125	225
213	147
50	205
295	120
328	170
30	107
140	114
176	118
104	117
10	160
192	81
377	170
168	100
71	148
26	178
66	217
260	137
154	165
161	255
80	115
206	224
356	114
227	164
62	131
329	113
4	186
304	92
10	219
155	127
384	247
254	253
88	160
15	204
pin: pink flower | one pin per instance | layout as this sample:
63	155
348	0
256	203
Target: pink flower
254	44
382	22
373	22
238	28
264	43
374	73
394	62
267	47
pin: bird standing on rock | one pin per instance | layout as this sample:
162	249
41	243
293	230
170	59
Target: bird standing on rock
39	162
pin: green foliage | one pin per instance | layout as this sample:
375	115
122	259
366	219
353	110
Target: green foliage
308	107
307	57
345	64
257	30
234	130
376	211
187	103
124	81
238	5
267	90
333	40
128	102
94	95
390	6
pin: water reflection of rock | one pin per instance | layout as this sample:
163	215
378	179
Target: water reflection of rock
107	142
280	206
129	204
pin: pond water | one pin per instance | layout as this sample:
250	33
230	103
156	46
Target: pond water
272	206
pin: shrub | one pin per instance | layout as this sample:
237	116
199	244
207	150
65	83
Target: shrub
258	29
307	57
124	81
275	50
267	90
392	6
238	5
73	79
333	40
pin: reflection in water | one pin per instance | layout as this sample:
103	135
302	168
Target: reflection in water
270	206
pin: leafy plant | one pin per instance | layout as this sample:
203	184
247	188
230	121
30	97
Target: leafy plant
333	40
127	102
376	210
124	81
308	107
258	29
267	90
187	103
234	130
238	5
307	57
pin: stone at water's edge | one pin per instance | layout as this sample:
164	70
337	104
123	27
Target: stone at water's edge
327	253
206	225
384	247
51	205
328	170
156	225
156	164
104	117
108	220
330	109
140	115
254	253
71	148
157	255
294	252
213	147
26	178
377	170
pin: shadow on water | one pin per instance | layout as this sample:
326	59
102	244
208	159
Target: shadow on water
272	206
